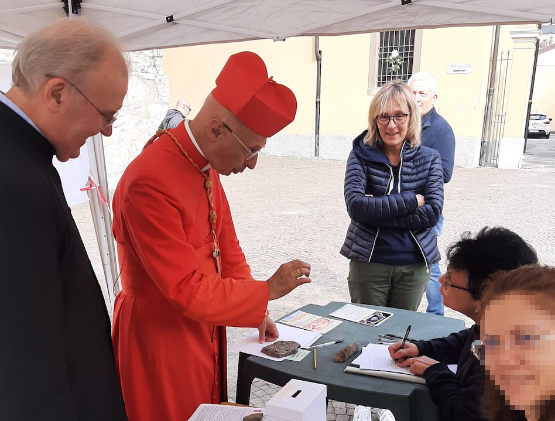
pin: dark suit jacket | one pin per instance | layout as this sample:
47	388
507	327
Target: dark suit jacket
56	359
438	134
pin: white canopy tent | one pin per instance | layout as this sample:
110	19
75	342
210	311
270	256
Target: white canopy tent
144	24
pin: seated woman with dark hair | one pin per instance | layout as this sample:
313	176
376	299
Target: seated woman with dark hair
471	262
518	327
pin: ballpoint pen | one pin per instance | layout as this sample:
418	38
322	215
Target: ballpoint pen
393	338
405	337
324	344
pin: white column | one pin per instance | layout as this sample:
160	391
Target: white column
518	90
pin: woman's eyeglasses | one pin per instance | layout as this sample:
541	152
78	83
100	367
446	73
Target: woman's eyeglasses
384	120
449	284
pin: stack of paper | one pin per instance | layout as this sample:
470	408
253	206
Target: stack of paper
251	346
376	361
206	412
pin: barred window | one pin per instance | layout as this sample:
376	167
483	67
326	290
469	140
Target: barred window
403	43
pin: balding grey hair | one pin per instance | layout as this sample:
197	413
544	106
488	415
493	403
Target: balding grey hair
424	76
182	103
70	48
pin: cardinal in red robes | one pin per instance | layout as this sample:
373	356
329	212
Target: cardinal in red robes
184	275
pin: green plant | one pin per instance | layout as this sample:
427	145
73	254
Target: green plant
394	61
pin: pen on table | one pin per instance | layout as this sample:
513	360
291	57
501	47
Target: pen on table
324	344
314	359
389	338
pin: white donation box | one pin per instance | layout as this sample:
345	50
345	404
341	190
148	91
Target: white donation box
298	401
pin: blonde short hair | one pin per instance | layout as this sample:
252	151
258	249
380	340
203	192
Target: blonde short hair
393	91
69	48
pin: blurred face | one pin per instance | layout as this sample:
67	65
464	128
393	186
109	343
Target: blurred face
393	133
87	110
453	296
236	150
520	349
423	95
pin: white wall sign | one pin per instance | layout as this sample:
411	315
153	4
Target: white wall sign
459	68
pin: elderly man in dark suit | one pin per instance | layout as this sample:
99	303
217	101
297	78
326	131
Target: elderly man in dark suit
56	358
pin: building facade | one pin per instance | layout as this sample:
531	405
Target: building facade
353	67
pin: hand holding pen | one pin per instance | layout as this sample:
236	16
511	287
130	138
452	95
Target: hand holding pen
401	351
405	337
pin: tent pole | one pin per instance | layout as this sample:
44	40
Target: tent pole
22	10
102	218
531	91
318	54
13	31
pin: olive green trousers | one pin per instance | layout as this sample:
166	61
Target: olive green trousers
388	286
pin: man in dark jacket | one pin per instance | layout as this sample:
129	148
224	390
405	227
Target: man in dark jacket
56	358
175	115
436	134
471	262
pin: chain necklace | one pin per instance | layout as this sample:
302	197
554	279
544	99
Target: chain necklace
208	188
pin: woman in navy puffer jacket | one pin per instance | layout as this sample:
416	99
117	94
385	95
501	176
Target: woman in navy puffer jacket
394	196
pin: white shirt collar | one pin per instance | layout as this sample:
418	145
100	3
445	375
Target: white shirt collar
4	99
186	123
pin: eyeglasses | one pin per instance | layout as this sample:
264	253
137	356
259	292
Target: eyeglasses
449	284
384	120
109	121
252	154
478	349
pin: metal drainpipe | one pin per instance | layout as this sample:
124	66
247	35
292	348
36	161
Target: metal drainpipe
318	54
491	90
531	92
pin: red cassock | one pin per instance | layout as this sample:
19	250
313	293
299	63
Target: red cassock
169	320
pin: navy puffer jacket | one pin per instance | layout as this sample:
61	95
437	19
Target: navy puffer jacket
369	172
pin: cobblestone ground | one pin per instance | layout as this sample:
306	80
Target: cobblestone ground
294	209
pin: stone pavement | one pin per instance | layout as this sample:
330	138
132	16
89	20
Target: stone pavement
293	209
540	155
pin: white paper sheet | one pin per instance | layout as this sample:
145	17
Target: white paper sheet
310	321
361	315
299	356
251	346
364	359
376	357
206	412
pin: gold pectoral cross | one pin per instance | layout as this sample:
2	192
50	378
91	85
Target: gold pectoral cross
216	256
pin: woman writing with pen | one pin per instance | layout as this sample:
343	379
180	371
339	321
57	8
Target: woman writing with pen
471	262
